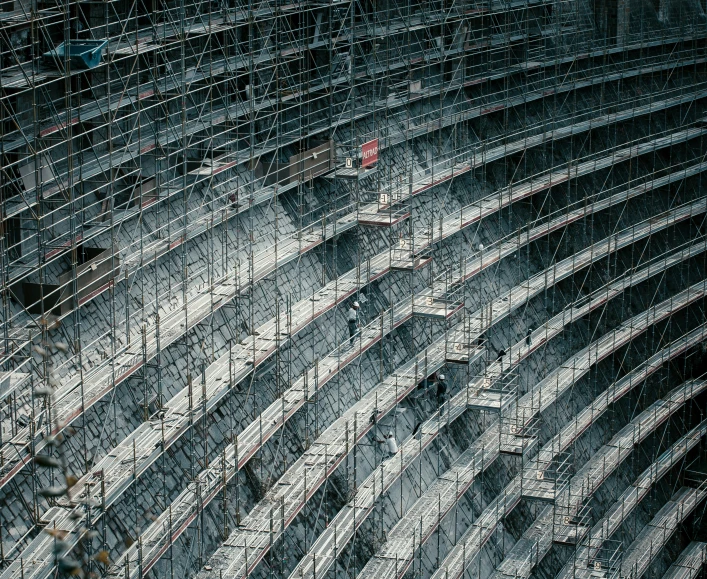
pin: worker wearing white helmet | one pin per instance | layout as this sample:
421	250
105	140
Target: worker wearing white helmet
441	389
391	445
353	321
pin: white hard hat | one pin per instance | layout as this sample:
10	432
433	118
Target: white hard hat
441	376
356	305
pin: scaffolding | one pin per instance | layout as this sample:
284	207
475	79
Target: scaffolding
192	194
394	560
396	557
689	563
658	531
78	396
468	546
599	542
122	465
333	540
602	560
538	539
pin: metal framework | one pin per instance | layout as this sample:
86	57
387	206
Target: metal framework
193	194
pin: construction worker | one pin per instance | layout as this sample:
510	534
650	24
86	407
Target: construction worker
353	322
499	358
441	390
529	337
391	445
346	63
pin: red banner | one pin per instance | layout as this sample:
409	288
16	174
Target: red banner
369	153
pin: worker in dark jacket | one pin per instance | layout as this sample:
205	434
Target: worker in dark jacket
500	356
441	390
